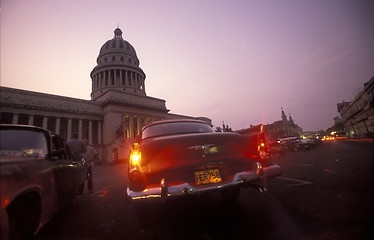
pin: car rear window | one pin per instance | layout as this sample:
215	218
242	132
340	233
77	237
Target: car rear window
174	128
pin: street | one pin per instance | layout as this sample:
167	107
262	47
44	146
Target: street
324	193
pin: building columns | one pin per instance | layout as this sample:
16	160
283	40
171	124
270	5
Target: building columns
58	123
139	126
15	118
126	78
45	122
131	126
109	78
99	132
80	128
69	129
31	120
90	132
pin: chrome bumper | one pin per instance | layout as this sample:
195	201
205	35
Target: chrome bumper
164	192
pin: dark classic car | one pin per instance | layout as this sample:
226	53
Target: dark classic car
38	176
295	144
275	148
176	158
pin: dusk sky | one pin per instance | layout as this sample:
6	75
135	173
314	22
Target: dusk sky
232	61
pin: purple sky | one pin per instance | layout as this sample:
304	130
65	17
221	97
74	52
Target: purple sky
232	61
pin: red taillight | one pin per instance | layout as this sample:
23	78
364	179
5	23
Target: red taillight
135	158
261	143
135	163
135	155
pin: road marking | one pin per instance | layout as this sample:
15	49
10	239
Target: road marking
299	182
104	191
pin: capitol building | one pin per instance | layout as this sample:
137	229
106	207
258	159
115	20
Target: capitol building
118	109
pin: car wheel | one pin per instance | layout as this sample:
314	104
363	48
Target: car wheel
24	216
230	195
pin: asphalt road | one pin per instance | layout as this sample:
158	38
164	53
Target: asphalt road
324	193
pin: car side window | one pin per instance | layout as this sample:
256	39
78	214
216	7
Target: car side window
59	150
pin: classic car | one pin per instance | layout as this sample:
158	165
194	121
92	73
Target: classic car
295	144
38	176
176	158
275	148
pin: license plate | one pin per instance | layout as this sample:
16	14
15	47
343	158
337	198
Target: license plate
207	176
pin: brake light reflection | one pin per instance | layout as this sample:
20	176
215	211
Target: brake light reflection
5	202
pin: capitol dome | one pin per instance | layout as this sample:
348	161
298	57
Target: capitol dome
117	69
117	45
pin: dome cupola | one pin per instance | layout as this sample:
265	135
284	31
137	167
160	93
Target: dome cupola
117	45
117	68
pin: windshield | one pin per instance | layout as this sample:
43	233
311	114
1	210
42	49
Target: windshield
175	128
22	143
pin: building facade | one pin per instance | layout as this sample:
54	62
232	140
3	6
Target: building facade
283	128
357	116
279	129
118	109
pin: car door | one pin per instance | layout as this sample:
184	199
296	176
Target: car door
68	173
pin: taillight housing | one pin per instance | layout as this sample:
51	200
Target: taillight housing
261	144
135	163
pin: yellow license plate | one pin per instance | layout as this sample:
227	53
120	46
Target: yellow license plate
207	176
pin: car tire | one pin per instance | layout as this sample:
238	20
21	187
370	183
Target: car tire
24	216
230	195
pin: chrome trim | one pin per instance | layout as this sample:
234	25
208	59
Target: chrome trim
187	189
165	192
203	147
272	171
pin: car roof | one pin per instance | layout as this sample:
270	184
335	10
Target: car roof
28	127
22	126
288	138
173	121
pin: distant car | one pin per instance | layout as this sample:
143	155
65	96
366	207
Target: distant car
314	141
178	158
38	177
276	149
295	144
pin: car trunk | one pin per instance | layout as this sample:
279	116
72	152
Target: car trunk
176	158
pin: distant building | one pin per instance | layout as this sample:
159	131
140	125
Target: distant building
357	116
279	129
118	109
